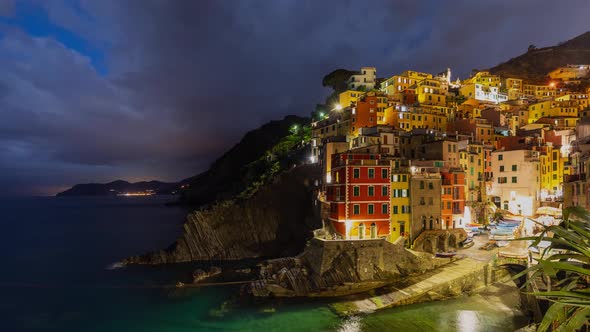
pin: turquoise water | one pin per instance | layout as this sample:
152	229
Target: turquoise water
55	254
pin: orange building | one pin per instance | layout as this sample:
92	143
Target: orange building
368	112
453	197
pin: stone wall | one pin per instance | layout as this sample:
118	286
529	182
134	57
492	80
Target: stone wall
440	240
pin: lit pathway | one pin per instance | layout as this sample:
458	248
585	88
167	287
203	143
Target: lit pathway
420	286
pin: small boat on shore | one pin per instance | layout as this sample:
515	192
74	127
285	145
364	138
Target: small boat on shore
467	243
445	254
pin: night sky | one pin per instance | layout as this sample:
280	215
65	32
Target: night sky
93	91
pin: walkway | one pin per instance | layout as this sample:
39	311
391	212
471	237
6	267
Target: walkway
418	286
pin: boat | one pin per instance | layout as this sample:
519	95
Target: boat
445	254
467	243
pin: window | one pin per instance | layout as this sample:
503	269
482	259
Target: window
384	209
356	191
421	184
371	191
501	168
371	209
371	173
554	167
430	185
384	191
430	201
395	209
356	209
384	173
500	157
514	168
404	193
394	178
404	178
356	173
514	179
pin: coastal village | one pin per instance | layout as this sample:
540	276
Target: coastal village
418	152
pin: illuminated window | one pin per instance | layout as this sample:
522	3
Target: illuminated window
394	178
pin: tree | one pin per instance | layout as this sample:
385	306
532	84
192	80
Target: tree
337	79
568	269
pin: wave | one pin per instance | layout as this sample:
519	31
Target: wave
116	265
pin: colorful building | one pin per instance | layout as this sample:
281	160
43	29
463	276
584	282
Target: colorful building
400	200
359	196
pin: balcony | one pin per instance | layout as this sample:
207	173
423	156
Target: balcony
362	162
575	177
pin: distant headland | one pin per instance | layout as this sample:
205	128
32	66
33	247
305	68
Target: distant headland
122	188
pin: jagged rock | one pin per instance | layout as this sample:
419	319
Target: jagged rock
333	268
276	221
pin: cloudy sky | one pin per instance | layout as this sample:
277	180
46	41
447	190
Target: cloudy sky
97	90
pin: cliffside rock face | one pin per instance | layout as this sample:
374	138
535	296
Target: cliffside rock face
537	63
276	221
340	267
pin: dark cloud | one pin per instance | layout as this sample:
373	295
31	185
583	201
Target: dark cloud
186	79
6	8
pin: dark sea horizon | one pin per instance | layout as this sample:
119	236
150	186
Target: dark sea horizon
57	274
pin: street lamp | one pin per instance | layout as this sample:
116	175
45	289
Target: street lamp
338	107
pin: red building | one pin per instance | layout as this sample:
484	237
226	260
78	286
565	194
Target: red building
453	198
359	195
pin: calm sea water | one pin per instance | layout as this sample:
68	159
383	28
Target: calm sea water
54	276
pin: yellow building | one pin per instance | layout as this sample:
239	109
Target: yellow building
554	165
570	72
398	83
580	98
567	108
431	92
539	90
536	111
349	97
514	87
400	213
484	78
408	118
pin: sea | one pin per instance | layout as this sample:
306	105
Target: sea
58	272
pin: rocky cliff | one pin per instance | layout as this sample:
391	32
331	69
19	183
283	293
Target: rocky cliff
275	221
338	267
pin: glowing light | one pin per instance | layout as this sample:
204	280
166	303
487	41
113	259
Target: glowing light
552	84
328	177
467	320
